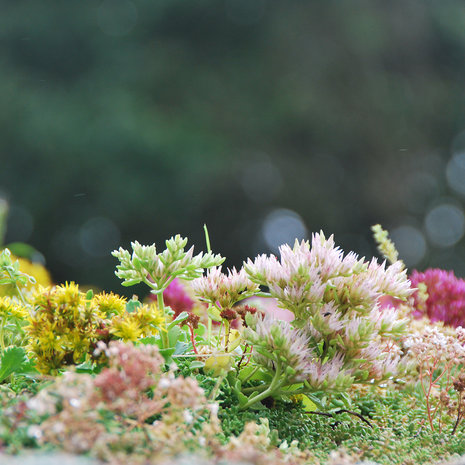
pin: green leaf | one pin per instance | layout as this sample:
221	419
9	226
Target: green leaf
214	314
265	353
85	367
20	249
181	317
242	399
316	401
130	282
132	305
12	361
246	372
201	329
173	335
196	364
337	403
238	385
346	399
290	371
28	370
167	354
181	348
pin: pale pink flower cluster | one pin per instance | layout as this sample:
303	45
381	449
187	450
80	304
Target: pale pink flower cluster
391	280
438	356
336	303
294	280
387	321
279	339
434	344
131	389
330	259
223	289
330	375
381	359
277	343
306	277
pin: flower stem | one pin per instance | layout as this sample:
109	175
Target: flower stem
17	288
227	330
191	330
164	331
209	330
214	392
2	340
459	416
276	383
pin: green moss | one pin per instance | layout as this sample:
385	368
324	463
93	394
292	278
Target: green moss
394	438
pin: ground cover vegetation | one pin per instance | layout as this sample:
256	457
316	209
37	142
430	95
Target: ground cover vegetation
314	356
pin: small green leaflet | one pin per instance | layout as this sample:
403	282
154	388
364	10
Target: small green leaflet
13	360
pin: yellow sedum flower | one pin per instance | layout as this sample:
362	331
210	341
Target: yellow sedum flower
149	315
13	316
66	324
62	327
127	329
218	364
69	295
140	323
110	304
12	308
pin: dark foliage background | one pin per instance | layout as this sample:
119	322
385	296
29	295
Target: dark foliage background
140	119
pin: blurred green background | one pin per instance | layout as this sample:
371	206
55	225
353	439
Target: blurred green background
136	120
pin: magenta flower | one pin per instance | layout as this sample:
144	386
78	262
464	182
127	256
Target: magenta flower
177	298
446	296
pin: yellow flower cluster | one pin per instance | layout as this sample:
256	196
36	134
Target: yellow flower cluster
110	304
65	324
140	323
10	308
13	316
62	327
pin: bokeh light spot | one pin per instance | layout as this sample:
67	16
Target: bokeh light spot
283	226
445	225
423	187
410	243
455	173
99	236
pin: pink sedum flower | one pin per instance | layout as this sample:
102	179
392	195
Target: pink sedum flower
224	289
269	305
177	298
446	296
